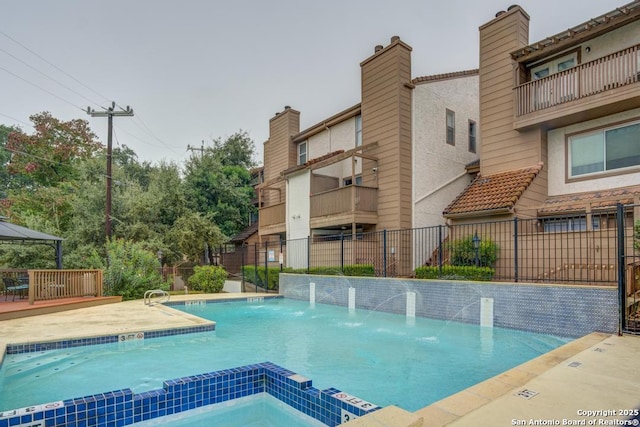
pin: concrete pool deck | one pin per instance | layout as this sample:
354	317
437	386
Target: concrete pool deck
595	372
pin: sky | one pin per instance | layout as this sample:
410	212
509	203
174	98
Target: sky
198	70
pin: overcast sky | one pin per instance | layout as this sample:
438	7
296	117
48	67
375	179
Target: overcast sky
195	70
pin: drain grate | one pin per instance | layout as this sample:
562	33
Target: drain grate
599	350
574	364
526	394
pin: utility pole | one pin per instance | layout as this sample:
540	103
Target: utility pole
201	149
109	113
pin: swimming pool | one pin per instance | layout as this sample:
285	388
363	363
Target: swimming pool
379	357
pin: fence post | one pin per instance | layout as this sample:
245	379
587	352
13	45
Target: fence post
255	262
308	253
242	284
384	253
440	249
621	268
342	252
281	254
266	266
515	249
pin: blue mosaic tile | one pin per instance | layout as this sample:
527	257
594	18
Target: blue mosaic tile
123	407
561	310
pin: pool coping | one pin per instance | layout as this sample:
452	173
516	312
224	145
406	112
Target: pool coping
440	413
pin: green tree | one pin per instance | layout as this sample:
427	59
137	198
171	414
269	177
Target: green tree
193	233
223	191
237	150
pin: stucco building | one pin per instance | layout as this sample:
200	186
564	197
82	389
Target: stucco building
392	161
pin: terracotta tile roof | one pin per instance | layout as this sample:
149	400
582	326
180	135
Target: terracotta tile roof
445	76
493	194
596	200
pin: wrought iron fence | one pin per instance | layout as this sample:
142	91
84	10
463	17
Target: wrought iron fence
598	248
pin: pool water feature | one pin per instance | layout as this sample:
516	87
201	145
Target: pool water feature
379	357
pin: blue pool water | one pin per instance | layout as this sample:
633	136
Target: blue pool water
379	357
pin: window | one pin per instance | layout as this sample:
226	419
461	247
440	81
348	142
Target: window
472	136
556	90
578	223
555	66
358	131
347	181
451	127
604	150
302	153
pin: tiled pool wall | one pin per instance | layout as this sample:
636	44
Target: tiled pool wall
562	310
123	407
104	339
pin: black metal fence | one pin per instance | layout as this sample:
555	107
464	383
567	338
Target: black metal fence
598	248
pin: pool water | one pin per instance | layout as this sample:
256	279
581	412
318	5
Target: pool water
379	357
260	410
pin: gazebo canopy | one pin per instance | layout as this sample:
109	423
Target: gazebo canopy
12	233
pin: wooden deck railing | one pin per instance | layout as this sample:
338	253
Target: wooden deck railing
272	215
56	284
609	72
353	198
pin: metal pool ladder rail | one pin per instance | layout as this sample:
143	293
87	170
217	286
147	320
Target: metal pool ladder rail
163	296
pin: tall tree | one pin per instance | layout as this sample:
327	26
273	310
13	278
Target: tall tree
237	150
50	153
221	191
9	180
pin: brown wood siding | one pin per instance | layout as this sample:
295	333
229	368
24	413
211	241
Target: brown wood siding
502	147
280	153
386	119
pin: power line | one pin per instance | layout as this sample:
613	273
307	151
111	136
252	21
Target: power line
16	120
49	77
41	88
53	65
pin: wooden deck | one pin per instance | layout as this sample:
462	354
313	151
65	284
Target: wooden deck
21	307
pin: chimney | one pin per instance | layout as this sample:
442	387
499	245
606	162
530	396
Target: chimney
279	150
507	32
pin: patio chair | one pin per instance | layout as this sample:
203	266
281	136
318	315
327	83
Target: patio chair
11	286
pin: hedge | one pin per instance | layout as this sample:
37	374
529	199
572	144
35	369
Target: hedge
257	275
455	272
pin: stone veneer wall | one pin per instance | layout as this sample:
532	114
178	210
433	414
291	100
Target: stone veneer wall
562	310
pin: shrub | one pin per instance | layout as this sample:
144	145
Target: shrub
208	278
131	270
455	272
258	276
349	270
463	252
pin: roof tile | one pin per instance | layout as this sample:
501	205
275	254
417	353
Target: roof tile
498	192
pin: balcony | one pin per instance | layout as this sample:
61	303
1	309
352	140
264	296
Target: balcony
344	205
593	89
272	219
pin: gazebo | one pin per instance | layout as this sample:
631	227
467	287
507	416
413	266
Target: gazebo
11	233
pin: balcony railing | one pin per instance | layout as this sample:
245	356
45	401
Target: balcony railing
353	198
272	215
609	72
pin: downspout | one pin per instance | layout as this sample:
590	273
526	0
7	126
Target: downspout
328	130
